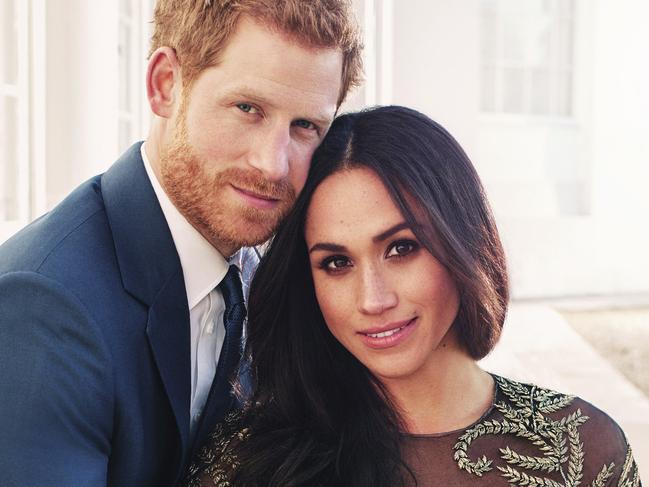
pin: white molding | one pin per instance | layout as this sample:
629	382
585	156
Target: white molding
370	54
38	107
145	31
136	114
22	122
386	54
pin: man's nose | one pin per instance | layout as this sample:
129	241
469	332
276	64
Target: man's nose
270	154
376	293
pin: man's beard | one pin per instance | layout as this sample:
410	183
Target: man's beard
201	196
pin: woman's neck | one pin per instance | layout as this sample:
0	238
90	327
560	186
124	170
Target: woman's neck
450	394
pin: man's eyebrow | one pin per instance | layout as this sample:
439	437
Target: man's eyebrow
246	93
390	231
329	247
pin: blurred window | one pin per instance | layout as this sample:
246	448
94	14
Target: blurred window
134	21
527	57
14	124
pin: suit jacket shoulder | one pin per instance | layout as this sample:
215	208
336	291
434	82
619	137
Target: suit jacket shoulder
92	299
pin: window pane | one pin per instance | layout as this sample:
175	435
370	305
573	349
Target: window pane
489	8
566	8
530	46
540	45
125	7
540	92
572	197
8	159
565	44
513	90
9	39
124	67
564	93
489	33
513	41
488	86
516	8
125	136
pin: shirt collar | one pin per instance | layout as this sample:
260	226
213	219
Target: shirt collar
203	266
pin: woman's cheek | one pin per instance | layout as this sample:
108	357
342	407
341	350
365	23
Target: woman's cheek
333	303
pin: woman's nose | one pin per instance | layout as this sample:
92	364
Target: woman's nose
376	294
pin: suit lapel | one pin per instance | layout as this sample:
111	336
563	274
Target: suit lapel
151	272
168	335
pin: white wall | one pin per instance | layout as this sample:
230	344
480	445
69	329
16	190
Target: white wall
435	61
621	112
81	93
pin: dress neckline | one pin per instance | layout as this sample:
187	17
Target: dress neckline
487	412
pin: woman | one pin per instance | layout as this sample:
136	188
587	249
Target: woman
376	298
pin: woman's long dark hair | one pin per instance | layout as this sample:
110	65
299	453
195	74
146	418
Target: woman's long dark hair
317	416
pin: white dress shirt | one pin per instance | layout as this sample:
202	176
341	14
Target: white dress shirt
203	269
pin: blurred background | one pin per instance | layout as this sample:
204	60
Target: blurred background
550	99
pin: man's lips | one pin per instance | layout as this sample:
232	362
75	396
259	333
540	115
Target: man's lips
258	200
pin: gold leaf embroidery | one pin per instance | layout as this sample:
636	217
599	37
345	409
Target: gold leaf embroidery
216	461
561	450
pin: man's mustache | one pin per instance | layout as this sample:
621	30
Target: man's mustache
255	183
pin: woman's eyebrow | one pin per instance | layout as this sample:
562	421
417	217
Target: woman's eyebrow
330	247
390	231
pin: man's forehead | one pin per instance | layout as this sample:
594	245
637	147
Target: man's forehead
252	39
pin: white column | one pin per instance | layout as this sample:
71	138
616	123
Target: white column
82	89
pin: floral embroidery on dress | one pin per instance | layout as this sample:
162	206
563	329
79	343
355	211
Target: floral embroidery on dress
216	461
525	415
630	476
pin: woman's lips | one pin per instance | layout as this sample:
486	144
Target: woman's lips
257	200
388	336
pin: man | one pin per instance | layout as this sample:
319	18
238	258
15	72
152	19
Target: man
115	356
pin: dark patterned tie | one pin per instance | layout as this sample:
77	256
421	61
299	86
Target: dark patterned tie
233	316
220	400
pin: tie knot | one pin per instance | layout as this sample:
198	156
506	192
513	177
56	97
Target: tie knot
235	308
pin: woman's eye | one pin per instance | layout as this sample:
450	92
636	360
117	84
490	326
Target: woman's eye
246	107
402	248
335	263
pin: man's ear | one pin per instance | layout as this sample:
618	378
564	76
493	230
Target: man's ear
163	81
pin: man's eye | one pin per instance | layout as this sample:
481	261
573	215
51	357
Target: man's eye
246	107
305	124
402	248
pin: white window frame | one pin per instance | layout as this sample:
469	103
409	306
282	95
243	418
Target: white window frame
136	114
500	65
20	91
376	18
38	108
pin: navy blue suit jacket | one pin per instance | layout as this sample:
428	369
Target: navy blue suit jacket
95	343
